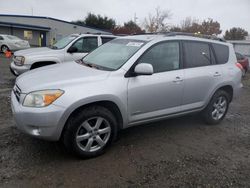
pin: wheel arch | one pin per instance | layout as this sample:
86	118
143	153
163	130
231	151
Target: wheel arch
110	105
38	64
4	45
229	90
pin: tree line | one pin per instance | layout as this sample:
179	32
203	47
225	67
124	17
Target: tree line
158	22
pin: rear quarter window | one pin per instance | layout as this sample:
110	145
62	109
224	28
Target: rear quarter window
221	53
106	39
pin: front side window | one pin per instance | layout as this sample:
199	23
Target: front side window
112	55
64	42
163	57
86	45
196	54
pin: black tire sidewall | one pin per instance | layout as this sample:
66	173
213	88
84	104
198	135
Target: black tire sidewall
74	123
207	113
4	46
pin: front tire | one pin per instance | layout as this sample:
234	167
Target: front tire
217	108
88	133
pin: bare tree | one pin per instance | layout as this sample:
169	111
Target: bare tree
157	22
190	25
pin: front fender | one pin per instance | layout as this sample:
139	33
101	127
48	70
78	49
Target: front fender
82	102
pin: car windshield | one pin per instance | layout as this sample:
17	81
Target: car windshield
13	37
64	42
112	55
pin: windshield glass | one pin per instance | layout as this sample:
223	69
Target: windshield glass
112	55
64	42
13	37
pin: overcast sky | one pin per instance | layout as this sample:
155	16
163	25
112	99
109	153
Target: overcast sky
229	13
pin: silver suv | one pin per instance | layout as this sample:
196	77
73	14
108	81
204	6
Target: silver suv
72	47
125	82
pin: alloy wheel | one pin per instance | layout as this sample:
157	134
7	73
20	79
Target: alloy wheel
219	108
93	134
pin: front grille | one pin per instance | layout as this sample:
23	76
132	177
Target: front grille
17	91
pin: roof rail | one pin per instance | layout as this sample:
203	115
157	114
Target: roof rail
97	33
212	37
185	34
146	33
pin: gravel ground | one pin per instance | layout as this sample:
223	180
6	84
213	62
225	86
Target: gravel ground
182	152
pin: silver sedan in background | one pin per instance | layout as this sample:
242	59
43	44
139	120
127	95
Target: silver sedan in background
12	43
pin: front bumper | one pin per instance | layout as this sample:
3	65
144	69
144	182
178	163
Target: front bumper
42	122
17	70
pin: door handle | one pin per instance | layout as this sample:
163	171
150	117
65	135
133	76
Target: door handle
216	74
177	79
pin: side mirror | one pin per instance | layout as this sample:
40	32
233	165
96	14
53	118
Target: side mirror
144	69
72	49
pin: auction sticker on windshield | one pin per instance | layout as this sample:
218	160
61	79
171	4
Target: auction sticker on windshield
135	44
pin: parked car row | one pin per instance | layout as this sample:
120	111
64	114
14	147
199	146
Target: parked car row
70	48
127	81
12	43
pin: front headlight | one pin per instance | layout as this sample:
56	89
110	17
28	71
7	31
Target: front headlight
19	60
41	98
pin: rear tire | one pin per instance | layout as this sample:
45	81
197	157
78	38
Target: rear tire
217	108
88	132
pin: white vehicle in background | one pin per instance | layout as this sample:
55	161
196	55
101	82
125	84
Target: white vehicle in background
70	48
12	43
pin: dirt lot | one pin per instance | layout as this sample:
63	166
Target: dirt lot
182	152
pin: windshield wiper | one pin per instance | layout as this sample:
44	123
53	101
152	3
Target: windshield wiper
88	64
92	65
53	47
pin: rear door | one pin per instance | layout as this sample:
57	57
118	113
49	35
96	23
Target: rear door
84	46
201	73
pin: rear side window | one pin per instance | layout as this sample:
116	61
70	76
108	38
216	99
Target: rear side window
196	54
106	39
1	38
221	53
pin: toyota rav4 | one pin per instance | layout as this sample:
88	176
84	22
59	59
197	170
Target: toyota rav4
129	81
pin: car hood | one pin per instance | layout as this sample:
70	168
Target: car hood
35	52
59	76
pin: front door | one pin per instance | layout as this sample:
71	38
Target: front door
161	93
83	46
43	38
